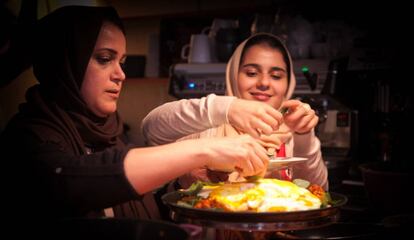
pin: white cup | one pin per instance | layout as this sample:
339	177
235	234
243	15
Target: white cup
198	51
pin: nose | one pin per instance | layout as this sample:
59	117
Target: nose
118	73
263	83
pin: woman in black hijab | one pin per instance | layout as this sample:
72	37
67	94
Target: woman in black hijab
65	144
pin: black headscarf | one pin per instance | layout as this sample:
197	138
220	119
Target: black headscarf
64	42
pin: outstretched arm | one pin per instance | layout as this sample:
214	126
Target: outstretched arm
151	167
174	120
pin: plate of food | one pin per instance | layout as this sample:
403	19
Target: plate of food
263	204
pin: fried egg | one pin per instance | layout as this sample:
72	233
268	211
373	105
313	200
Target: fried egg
264	195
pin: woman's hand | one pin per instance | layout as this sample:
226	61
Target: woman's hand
300	118
202	174
274	140
241	153
253	117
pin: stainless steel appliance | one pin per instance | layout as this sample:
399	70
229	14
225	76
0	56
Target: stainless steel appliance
315	85
338	124
197	80
337	131
337	127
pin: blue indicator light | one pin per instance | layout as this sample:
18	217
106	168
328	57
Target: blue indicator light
191	85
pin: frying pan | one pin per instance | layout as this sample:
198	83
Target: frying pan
253	221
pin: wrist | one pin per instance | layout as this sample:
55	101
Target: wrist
303	133
219	109
203	153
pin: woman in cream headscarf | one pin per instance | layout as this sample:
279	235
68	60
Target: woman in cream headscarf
260	70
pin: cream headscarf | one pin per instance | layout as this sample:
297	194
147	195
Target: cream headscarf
232	72
233	65
232	90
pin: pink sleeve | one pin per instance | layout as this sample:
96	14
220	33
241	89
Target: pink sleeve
174	120
314	169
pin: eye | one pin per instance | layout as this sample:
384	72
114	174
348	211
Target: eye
276	77
103	60
251	74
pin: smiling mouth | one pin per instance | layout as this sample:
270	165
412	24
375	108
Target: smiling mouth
261	96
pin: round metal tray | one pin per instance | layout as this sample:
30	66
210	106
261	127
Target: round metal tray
253	221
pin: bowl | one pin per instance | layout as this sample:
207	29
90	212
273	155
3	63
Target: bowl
388	188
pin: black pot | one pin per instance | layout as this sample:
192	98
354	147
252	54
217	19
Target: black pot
387	187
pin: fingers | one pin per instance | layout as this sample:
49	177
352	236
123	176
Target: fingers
301	117
276	139
263	127
241	153
266	120
254	118
305	119
274	115
274	142
310	125
299	110
257	160
291	104
254	132
272	138
269	145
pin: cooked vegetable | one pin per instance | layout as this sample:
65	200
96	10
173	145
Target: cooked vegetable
301	183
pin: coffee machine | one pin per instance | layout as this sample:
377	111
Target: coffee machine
337	128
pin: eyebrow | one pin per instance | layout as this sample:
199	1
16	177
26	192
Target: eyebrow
259	67
110	50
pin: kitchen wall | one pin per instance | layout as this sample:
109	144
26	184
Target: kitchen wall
138	32
13	94
139	96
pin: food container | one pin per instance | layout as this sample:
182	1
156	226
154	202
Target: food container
254	221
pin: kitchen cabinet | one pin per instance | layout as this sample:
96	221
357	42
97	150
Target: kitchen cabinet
162	8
